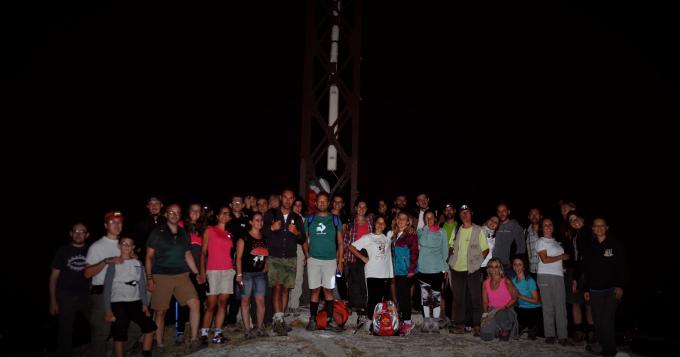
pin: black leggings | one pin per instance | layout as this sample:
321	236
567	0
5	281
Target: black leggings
430	293
129	311
404	296
378	290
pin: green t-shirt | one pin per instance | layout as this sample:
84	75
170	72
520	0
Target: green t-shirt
450	229
465	236
169	249
323	237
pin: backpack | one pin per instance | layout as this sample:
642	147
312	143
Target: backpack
340	315
336	221
385	319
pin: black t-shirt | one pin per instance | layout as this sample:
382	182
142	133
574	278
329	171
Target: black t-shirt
70	261
254	254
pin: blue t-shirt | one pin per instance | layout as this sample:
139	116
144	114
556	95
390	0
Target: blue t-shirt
525	287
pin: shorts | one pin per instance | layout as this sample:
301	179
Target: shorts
321	273
254	284
220	282
178	285
282	271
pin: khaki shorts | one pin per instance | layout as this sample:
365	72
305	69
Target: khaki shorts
321	273
220	281
168	285
282	271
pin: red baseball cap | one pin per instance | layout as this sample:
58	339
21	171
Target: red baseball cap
113	215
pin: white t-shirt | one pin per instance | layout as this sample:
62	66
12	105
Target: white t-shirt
491	240
421	219
553	249
129	270
379	255
102	249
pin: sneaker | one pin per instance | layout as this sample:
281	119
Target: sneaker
286	327
333	326
406	328
550	340
311	326
219	339
261	333
476	331
204	339
468	329
444	323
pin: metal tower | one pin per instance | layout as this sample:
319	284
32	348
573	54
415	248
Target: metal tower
330	103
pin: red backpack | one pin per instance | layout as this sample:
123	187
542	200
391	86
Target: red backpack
340	315
385	319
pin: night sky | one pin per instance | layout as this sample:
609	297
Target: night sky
470	103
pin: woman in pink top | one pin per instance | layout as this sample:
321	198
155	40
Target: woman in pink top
498	298
218	266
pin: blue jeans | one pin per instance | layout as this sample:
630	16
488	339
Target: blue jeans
254	284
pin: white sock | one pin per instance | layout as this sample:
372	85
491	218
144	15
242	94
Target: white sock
218	330
204	332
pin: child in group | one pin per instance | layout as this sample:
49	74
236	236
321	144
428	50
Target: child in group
125	299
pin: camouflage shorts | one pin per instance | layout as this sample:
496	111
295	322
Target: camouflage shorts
282	271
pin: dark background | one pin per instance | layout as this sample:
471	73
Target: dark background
110	102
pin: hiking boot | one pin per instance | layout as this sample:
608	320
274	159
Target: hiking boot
279	328
434	325
261	333
579	336
425	328
195	345
311	326
458	329
566	342
249	334
333	326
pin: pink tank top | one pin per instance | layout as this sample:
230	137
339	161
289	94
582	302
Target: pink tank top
219	249
500	297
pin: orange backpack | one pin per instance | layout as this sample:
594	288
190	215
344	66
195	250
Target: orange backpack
340	315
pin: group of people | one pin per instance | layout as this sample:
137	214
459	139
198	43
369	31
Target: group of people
496	280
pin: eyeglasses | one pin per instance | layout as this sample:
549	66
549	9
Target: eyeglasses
173	213
236	202
80	231
126	244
